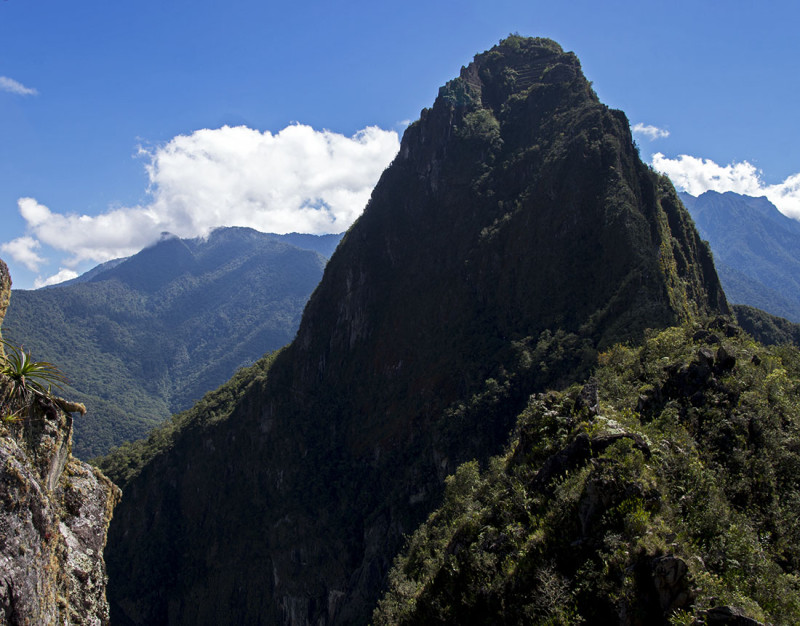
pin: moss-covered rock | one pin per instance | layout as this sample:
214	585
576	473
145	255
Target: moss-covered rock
679	511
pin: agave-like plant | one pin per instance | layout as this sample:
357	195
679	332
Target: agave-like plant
26	376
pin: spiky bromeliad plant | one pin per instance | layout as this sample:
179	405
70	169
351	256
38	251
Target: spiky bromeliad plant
25	378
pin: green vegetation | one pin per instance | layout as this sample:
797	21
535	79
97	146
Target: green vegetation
766	328
147	337
24	381
27	376
678	495
124	462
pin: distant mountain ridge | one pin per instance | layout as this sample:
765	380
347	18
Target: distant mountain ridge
323	244
756	249
146	336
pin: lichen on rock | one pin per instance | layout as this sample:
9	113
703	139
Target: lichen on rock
5	295
54	514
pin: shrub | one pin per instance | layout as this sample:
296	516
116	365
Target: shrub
26	377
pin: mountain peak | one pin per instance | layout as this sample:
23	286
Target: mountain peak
510	68
54	509
516	233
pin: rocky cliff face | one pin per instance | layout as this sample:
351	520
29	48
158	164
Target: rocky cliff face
54	514
5	295
515	233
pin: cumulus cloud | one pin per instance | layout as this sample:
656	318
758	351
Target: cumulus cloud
697	175
23	250
650	131
12	86
116	233
62	275
299	179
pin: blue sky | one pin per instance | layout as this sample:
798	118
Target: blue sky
119	120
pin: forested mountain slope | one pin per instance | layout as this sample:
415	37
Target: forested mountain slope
147	336
664	491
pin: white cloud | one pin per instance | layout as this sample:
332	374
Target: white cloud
298	179
23	250
62	275
649	131
696	175
116	233
12	86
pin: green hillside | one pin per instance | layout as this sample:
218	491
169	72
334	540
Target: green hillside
756	249
663	491
145	338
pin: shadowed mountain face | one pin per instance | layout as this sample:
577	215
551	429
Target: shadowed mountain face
515	233
147	336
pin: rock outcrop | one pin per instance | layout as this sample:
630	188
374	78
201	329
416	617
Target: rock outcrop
5	295
54	514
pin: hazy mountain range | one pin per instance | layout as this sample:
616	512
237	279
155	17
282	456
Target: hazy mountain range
756	249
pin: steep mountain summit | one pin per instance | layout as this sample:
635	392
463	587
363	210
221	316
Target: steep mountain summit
516	204
515	233
54	509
